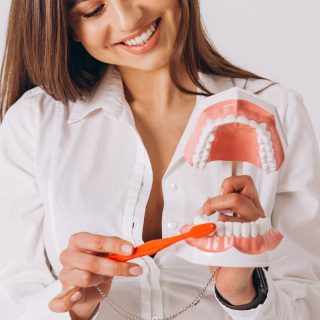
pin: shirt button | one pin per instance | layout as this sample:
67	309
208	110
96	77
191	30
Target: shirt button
173	187
172	225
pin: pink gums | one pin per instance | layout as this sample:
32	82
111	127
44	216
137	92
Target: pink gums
260	244
235	141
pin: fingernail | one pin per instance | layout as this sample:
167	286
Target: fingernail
75	297
135	271
126	248
221	192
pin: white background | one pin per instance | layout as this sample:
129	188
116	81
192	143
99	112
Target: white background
276	39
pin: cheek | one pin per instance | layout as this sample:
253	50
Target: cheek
93	35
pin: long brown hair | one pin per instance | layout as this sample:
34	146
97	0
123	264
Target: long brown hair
40	51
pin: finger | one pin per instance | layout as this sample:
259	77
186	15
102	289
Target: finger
66	300
79	278
243	185
235	203
98	265
89	242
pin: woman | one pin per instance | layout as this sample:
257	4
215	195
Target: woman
97	99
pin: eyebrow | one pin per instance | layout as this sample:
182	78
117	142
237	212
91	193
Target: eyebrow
73	3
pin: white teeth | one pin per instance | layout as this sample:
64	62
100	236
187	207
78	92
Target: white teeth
254	230
229	119
220	228
253	124
237	229
218	122
207	137
242	120
142	38
245	230
228	228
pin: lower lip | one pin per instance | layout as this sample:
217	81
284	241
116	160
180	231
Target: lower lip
146	47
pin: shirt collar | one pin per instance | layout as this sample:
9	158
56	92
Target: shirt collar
109	94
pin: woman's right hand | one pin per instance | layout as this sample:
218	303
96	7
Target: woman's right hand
84	267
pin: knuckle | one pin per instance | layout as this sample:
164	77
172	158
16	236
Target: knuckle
93	265
98	242
63	257
74	238
248	179
116	270
235	199
86	279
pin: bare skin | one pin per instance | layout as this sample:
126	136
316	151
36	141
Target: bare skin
145	76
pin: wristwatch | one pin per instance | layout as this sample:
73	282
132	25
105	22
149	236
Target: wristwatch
260	284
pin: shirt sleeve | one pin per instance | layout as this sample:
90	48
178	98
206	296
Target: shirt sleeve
26	283
294	282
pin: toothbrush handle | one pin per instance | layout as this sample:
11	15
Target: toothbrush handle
148	248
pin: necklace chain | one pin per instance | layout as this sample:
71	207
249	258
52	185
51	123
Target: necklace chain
130	316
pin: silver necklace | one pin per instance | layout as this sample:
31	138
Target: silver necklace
130	316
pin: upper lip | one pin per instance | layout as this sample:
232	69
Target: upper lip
137	33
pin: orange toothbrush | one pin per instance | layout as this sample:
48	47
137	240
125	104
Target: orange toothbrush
153	246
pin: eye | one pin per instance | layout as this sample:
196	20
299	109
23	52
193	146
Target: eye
94	13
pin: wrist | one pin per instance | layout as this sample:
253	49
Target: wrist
261	289
240	295
84	312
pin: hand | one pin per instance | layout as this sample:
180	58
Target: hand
239	195
84	268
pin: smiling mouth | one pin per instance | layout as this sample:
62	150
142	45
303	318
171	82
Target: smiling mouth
143	37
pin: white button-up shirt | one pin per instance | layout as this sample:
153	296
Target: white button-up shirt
84	167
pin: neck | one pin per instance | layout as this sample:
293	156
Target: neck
154	90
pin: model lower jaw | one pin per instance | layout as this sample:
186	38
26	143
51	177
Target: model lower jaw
249	238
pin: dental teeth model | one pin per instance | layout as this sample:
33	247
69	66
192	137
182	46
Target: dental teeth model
233	244
237	126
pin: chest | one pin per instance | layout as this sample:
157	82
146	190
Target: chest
161	135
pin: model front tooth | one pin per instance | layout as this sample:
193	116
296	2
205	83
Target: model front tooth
253	124
230	119
236	229
220	228
200	219
254	230
228	228
245	230
243	120
260	226
218	122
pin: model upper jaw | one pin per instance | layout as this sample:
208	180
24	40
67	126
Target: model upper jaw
254	237
236	130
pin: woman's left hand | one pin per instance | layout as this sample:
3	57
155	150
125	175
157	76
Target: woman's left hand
239	195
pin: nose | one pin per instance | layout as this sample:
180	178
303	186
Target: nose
127	14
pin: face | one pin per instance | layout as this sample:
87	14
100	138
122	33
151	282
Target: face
134	34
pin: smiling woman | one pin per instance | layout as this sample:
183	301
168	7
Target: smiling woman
99	100
46	53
